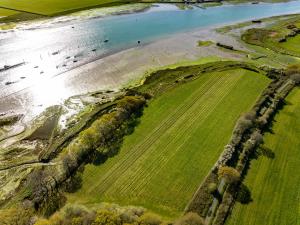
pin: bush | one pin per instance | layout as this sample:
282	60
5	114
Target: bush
229	174
15	216
296	78
149	219
292	69
212	188
106	217
190	219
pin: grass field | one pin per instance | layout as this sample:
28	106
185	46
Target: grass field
180	137
292	45
6	12
49	7
275	183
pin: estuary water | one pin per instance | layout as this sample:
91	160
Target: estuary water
52	50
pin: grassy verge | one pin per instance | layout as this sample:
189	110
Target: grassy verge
180	137
272	179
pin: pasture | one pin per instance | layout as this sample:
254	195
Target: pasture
292	45
6	12
50	7
274	181
180	136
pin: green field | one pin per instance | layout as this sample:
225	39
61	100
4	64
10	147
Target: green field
275	183
6	12
180	137
292	45
48	7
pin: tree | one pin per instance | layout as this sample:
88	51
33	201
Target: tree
190	219
229	174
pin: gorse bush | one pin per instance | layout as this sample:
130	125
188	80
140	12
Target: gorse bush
104	215
229	174
17	215
149	219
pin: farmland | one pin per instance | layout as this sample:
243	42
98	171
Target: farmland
6	12
292	45
180	136
274	181
50	7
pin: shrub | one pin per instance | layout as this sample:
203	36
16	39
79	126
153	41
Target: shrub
190	219
229	174
296	78
149	219
212	188
293	69
15	216
43	222
106	217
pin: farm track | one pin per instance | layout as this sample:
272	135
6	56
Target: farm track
185	112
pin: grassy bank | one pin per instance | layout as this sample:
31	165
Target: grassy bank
272	178
180	137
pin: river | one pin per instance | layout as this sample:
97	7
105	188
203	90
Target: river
54	50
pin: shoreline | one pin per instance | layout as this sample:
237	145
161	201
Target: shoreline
121	67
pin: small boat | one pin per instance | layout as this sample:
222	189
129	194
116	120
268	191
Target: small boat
106	40
7	67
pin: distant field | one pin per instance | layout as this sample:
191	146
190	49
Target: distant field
48	7
292	45
181	135
275	183
6	12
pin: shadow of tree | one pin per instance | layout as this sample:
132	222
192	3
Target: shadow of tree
244	195
265	151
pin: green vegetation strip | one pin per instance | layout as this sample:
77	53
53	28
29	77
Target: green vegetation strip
180	137
273	178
